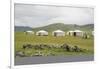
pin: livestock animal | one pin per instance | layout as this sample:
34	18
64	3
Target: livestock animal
27	46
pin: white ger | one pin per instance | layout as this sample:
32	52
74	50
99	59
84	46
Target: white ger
29	32
78	33
75	33
42	33
58	33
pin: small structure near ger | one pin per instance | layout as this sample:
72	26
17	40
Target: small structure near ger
29	32
93	33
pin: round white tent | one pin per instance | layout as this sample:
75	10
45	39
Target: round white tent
58	33
78	33
70	33
75	33
29	32
42	33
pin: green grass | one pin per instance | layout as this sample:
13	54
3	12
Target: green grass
21	38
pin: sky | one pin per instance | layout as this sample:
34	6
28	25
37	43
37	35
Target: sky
41	15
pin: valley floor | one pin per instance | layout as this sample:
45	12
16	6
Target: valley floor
21	39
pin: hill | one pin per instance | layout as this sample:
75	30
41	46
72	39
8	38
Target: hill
56	26
22	28
66	27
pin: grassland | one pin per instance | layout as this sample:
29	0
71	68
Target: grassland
21	38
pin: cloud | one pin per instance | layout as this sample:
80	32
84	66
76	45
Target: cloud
36	15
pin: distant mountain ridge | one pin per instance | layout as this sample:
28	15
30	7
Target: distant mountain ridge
56	26
66	27
22	28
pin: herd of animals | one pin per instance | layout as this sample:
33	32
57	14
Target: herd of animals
65	47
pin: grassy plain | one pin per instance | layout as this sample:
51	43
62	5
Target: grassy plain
21	38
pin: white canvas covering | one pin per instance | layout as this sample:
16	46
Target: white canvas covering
78	33
58	33
70	33
29	32
42	33
75	33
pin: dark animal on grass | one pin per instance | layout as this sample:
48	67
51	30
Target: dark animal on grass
38	46
47	46
66	47
76	49
44	46
27	46
41	46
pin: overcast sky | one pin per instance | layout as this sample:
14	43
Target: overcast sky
39	15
